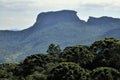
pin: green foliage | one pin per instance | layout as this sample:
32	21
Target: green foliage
109	59
78	54
8	66
68	71
54	50
4	74
107	53
36	62
36	76
105	73
101	61
101	46
6	71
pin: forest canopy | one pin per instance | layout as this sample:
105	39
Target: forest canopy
99	61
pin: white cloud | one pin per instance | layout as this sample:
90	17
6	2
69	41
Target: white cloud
57	4
28	9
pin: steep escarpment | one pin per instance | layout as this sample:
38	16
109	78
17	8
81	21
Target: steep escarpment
59	27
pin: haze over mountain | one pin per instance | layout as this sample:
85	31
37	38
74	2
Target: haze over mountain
60	27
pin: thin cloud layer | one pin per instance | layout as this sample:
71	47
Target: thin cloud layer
22	13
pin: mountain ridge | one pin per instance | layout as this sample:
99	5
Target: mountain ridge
59	27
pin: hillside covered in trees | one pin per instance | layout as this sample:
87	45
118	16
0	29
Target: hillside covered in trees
62	27
99	61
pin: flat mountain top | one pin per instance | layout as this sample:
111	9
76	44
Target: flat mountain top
59	27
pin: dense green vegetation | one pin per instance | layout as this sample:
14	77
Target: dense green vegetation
100	61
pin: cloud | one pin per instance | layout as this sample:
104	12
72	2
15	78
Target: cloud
26	5
28	9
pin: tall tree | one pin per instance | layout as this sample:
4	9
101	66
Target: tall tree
105	73
68	71
54	50
107	53
81	55
103	45
36	62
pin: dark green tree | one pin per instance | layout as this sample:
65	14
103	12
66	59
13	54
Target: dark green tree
5	75
36	76
36	62
6	71
54	50
114	59
78	54
105	73
104	45
68	71
107	53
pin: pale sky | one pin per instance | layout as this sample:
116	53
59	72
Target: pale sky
21	14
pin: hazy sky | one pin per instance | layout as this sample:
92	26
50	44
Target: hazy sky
21	14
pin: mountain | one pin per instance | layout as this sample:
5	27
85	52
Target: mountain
60	27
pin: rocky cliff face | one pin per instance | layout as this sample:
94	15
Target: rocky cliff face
104	21
58	17
51	18
60	27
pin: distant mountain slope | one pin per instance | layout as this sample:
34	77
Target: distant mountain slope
112	33
60	27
